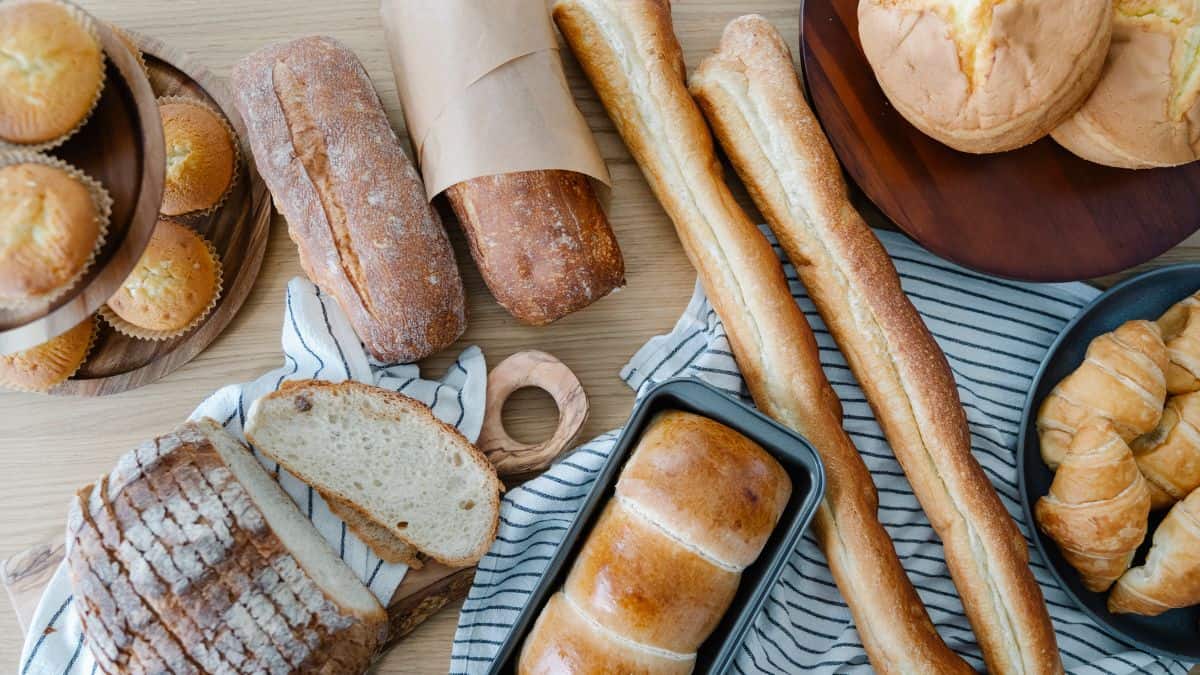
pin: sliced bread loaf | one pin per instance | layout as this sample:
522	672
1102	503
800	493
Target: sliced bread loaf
387	456
189	558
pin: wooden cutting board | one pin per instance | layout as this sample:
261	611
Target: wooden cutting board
425	591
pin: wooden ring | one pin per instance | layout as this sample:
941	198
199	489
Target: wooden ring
531	368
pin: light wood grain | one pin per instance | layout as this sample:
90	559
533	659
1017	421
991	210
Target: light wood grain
49	447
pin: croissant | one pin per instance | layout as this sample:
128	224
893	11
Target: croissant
1169	456
1122	378
1098	506
1171	576
1181	332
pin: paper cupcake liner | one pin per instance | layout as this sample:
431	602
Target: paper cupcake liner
100	198
87	352
135	331
127	40
237	153
89	24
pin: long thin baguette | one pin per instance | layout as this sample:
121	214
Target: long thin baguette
752	98
630	54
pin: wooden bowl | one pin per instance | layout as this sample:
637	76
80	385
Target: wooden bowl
1038	213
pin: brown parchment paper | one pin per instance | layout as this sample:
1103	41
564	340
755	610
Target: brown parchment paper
483	90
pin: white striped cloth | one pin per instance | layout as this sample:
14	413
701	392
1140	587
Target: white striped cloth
995	334
318	342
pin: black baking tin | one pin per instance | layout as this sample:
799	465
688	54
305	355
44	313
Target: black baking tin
792	451
1174	634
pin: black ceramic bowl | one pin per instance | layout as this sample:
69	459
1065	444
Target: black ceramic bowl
797	457
1176	633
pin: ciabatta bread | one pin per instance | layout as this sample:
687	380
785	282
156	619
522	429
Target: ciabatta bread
752	98
629	52
388	457
190	558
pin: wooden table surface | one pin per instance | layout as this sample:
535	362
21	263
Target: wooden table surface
51	446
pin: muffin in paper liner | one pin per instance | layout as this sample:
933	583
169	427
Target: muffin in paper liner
130	329
89	24
233	140
54	361
102	202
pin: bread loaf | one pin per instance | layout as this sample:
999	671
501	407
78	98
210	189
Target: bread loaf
385	456
541	241
694	506
354	203
752	98
189	558
629	52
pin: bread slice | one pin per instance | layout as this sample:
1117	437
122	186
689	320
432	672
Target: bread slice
388	457
375	535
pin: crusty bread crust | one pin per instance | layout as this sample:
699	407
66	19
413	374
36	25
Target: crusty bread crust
752	98
773	343
374	534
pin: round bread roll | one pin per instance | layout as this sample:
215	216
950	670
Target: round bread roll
49	228
51	72
986	75
175	283
50	363
1144	111
200	157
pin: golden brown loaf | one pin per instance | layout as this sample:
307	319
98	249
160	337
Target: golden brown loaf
629	52
189	558
200	157
986	75
174	283
753	101
52	73
1143	113
1170	577
50	363
50	227
1181	332
1169	456
1122	378
541	241
1098	506
354	203
694	506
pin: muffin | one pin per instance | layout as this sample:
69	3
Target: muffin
174	285
51	73
986	76
49	364
201	158
1144	112
50	228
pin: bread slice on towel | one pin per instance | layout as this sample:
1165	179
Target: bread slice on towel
376	535
189	558
387	456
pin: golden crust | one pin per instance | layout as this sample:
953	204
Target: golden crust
51	363
175	281
986	76
200	157
1144	112
52	74
49	227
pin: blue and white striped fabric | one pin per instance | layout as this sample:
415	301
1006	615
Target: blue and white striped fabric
318	342
994	333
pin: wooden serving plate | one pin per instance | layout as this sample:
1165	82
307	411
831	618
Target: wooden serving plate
1038	213
238	230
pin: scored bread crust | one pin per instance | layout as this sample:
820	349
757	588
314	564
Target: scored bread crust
1028	65
176	568
346	502
774	345
752	98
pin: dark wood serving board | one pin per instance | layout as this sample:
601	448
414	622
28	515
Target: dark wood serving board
1038	213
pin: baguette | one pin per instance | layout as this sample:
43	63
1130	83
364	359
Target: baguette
752	98
354	204
630	54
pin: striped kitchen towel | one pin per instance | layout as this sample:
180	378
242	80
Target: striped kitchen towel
995	334
318	342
